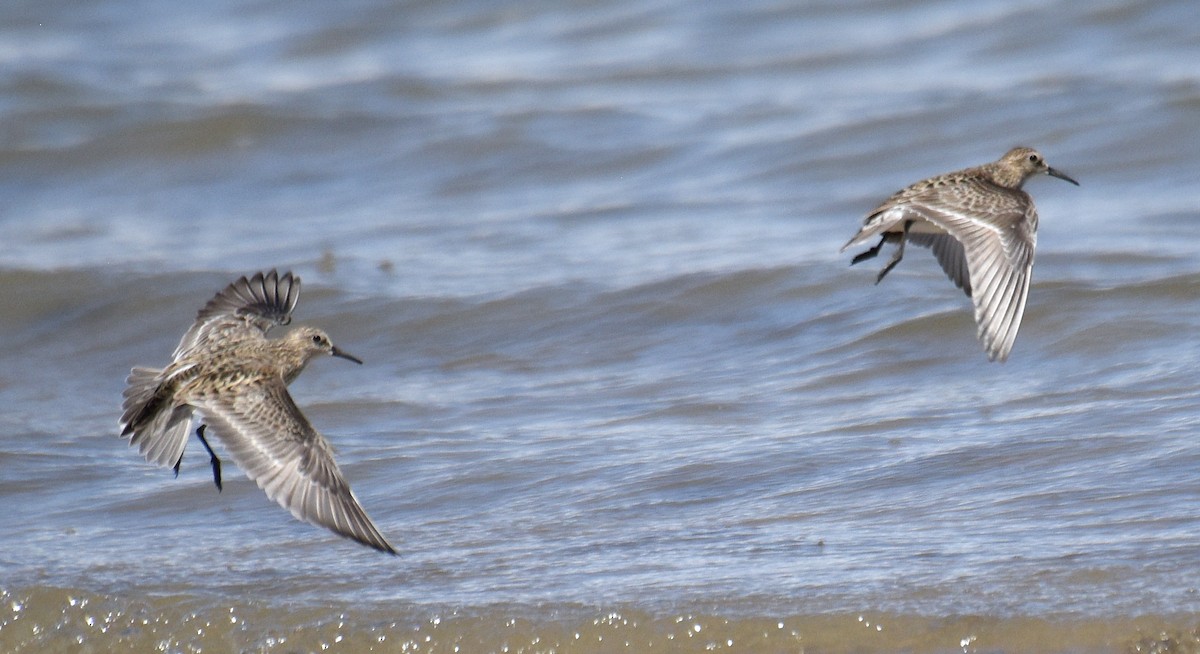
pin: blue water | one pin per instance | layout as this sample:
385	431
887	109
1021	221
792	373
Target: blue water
589	252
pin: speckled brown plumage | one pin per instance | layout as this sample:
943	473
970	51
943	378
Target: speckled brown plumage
983	230
228	371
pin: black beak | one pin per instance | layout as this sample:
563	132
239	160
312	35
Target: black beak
349	357
1061	175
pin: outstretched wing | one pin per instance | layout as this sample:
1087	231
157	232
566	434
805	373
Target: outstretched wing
998	239
247	307
277	447
949	254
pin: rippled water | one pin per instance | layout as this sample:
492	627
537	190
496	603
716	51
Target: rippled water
619	382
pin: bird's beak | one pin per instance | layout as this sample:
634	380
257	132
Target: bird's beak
350	357
1060	174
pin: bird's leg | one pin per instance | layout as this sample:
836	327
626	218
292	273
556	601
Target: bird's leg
869	254
898	255
216	463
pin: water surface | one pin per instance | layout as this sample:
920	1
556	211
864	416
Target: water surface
621	392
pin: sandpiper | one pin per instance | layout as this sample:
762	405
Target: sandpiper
981	227
228	371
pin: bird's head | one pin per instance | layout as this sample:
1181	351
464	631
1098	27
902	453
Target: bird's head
1031	162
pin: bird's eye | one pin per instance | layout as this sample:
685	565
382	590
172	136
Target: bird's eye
1034	158
317	339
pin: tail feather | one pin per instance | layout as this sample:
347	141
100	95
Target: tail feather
874	224
159	430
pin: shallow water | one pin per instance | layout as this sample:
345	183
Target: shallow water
615	364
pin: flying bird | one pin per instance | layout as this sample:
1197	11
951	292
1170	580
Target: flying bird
983	230
228	372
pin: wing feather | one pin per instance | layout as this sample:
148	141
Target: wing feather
949	254
997	242
246	308
277	447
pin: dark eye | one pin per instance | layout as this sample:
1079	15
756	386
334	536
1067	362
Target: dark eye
317	339
1034	158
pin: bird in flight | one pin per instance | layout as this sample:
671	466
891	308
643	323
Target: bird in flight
227	371
982	229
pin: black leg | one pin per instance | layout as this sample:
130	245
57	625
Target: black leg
869	254
216	463
898	255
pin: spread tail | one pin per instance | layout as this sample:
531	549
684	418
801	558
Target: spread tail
159	430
